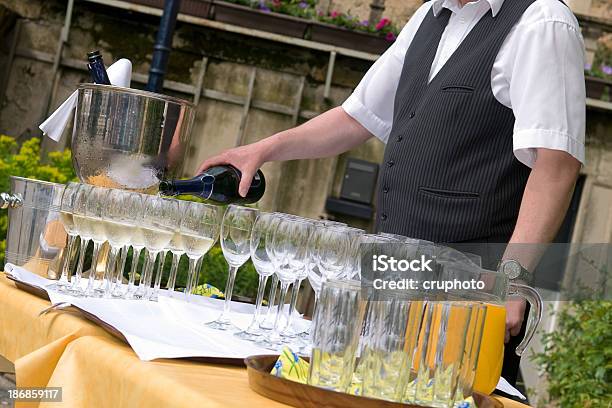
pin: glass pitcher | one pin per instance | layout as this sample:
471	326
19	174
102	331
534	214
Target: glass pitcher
495	288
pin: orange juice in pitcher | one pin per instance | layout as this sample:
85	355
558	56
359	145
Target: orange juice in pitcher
491	355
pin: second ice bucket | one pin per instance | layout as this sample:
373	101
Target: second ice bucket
127	138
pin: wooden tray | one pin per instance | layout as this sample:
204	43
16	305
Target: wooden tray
303	395
38	292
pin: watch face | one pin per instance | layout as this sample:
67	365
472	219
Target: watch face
512	269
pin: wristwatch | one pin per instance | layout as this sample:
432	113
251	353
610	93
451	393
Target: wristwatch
515	271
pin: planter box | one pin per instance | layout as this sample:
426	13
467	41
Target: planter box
197	8
596	87
342	37
260	20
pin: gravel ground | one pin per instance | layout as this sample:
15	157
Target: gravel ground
6	381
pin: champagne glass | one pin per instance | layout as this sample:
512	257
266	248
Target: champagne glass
199	230
262	231
314	274
235	243
160	217
332	250
94	209
268	322
301	274
66	217
288	251
353	266
118	229
177	249
135	206
85	233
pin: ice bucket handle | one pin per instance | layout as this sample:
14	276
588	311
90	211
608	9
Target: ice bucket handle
10	200
535	311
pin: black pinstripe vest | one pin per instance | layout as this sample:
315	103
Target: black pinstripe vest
449	172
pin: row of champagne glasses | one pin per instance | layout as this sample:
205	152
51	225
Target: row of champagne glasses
125	219
291	249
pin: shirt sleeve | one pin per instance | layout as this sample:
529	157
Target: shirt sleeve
371	103
546	89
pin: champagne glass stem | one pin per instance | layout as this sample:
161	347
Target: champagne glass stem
118	278
79	272
173	271
260	292
295	292
134	268
158	276
63	280
229	288
145	280
109	271
92	269
272	295
275	335
190	277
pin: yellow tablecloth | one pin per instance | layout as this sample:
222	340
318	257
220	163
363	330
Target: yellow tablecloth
62	349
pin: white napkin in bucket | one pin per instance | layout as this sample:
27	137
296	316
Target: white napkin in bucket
119	74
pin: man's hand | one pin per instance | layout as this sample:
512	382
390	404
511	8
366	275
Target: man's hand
515	310
247	159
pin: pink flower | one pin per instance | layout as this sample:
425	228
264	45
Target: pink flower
390	36
335	14
383	23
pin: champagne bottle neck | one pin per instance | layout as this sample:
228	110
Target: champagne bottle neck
201	185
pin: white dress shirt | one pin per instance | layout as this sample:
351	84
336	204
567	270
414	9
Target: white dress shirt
538	73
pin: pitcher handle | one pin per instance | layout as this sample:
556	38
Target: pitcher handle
535	312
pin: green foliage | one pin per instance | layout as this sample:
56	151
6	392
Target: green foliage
25	161
577	357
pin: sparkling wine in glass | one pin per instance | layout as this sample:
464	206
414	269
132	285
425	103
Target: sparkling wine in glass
135	208
199	231
118	232
94	210
160	216
85	234
67	220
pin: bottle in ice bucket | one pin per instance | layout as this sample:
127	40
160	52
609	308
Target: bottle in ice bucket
218	184
96	68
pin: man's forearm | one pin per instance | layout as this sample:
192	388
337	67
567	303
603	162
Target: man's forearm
545	201
329	134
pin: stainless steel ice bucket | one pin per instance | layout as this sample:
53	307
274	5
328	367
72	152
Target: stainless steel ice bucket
35	236
127	138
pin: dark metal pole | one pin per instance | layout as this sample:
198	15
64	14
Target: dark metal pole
163	46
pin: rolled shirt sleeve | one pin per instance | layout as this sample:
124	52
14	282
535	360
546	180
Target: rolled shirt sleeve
544	71
371	103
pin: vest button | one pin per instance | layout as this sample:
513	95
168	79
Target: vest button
383	216
411	115
385	189
390	163
399	138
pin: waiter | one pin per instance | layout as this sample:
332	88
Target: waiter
481	106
